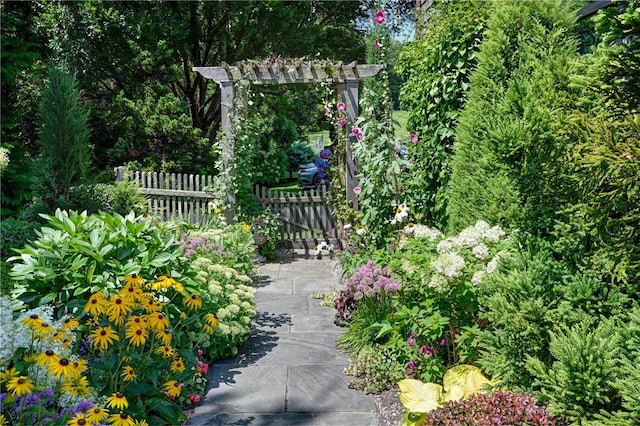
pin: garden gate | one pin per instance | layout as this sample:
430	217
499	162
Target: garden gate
305	217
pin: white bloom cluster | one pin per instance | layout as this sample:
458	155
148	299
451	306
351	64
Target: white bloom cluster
360	231
438	282
480	251
402	212
477	277
422	231
449	264
4	159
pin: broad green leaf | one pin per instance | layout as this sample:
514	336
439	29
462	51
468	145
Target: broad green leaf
419	397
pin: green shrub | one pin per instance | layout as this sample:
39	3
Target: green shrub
508	152
373	369
437	67
580	380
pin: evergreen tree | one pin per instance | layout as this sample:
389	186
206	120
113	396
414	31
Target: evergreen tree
509	150
63	137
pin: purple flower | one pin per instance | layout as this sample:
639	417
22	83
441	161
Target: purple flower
411	364
357	190
342	121
410	341
327	111
379	17
341	106
413	137
355	131
443	342
377	45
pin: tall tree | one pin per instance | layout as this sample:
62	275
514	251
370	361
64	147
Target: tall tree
63	136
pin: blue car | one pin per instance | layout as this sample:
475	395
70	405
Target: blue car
308	176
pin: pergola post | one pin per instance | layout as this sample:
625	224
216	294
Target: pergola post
349	91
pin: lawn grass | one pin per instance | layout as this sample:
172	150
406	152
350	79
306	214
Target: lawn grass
400	118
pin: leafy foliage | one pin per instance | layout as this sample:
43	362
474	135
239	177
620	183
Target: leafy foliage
437	69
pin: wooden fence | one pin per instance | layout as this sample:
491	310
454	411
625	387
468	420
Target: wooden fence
305	217
173	195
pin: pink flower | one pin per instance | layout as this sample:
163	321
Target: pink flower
327	111
410	341
200	352
194	398
413	137
379	17
411	364
342	121
357	190
443	342
377	45
341	106
360	136
355	131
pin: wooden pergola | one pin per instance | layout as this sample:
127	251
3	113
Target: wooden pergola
345	76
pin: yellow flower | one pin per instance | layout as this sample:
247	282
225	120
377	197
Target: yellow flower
158	321
117	401
163	282
62	368
165	336
32	321
80	419
173	388
192	302
81	365
44	359
118	308
128	373
246	227
131	292
96	304
121	419
93	322
212	320
20	385
166	351
97	414
43	330
151	305
76	386
134	279
70	324
140	423
137	322
5	376
3	421
137	336
177	366
102	337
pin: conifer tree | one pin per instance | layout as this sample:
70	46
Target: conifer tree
63	137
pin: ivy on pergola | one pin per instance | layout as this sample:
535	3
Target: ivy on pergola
346	78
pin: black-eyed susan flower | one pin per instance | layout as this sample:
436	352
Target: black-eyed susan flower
97	414
140	423
45	358
173	388
158	321
81	365
121	419
134	279
20	385
93	322
137	321
43	331
177	366
118	307
9	374
128	373
131	292
62	368
166	351
211	323
165	336
136	336
163	282
69	324
76	386
117	401
96	304
192	301
32	320
102	337
80	419
151	305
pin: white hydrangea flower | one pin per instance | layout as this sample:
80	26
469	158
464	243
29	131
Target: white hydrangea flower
222	313
482	227
468	237
224	329
423	231
492	266
445	246
4	159
233	309
449	264
477	277
493	234
480	251
245	305
438	283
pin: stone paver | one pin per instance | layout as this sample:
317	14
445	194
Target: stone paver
289	372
